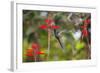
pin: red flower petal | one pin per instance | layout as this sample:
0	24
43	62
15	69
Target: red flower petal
40	52
35	46
83	27
29	50
87	21
85	33
29	54
43	27
55	27
48	21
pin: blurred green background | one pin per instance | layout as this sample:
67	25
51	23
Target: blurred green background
75	47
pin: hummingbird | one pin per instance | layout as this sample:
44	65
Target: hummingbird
56	33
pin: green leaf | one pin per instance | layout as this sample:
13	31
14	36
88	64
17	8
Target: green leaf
79	45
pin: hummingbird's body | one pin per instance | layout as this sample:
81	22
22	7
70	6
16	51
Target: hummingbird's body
58	38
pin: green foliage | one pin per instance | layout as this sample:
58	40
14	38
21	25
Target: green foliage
32	20
79	45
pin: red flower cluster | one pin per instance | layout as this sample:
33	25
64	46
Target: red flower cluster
30	52
49	25
85	32
35	46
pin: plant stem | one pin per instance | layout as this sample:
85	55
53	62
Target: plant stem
49	34
88	49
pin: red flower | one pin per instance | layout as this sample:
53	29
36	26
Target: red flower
40	52
87	21
85	32
29	52
45	27
49	22
55	27
42	26
49	25
35	46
